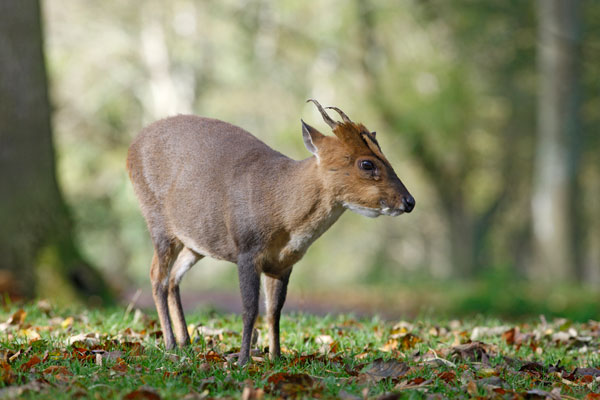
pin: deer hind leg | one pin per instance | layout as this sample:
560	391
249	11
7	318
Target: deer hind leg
186	260
165	251
275	293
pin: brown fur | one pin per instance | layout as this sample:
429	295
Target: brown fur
208	188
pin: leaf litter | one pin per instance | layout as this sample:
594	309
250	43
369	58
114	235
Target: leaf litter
43	353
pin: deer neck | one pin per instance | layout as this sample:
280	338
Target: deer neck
311	207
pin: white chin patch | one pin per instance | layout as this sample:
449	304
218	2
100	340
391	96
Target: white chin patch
365	211
391	213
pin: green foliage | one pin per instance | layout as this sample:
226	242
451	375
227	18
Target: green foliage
448	86
64	353
499	294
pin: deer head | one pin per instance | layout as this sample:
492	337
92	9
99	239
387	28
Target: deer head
354	168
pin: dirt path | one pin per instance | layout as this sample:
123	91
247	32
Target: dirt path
359	304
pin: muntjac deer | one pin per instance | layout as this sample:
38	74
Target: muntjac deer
210	189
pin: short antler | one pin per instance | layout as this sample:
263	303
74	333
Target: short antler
332	124
342	114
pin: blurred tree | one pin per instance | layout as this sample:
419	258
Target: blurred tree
588	207
469	136
456	82
36	226
555	186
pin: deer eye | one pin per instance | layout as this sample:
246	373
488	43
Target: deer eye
367	165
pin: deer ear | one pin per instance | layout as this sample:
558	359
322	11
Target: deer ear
311	137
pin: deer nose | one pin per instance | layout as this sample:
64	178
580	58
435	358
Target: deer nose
408	202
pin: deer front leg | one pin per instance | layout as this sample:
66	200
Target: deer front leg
250	290
275	290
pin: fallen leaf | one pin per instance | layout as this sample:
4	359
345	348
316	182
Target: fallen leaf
409	341
14	392
486	372
33	361
306	358
390	345
533	368
207	331
509	336
17	318
142	394
134	349
88	339
31	334
561	337
381	369
288	384
413	383
460	337
59	372
212	356
544	394
102	355
324	339
67	322
280	377
120	366
7	376
480	332
44	306
587	371
352	323
250	393
5	355
401	328
492	382
329	348
472	388
334	347
81	354
14	356
431	357
416	381
447	376
57	369
474	351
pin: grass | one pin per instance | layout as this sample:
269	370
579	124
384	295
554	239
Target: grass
45	353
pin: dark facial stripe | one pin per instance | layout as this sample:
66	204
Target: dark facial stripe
374	147
372	138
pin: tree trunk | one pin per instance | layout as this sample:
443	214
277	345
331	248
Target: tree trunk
557	153
36	226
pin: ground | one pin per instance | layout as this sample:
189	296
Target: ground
64	353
